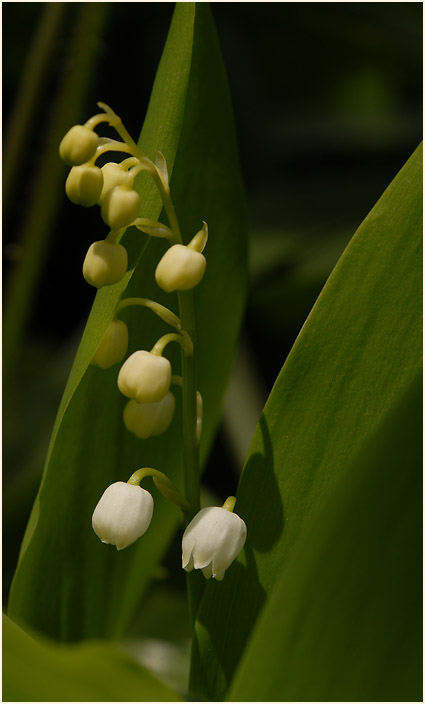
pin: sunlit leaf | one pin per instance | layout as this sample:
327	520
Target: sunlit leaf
344	618
67	584
355	356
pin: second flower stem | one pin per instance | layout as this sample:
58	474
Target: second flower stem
190	443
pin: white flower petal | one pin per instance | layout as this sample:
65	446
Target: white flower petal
123	514
212	540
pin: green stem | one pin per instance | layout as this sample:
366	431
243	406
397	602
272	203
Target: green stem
195	581
111	146
190	444
116	122
229	504
163	484
161	311
182	338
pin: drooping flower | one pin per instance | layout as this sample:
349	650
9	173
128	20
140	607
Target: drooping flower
180	269
120	207
145	377
113	175
105	263
123	514
78	145
212	540
146	419
84	185
113	345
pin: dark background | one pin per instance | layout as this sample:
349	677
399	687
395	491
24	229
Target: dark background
327	100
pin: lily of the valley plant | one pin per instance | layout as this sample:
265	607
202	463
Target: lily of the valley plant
214	536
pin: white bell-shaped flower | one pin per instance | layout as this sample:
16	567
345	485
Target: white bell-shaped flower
145	377
120	207
105	263
146	419
180	269
123	514
84	185
113	346
212	540
78	145
113	175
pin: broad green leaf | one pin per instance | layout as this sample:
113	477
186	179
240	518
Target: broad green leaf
41	670
356	354
344	619
67	583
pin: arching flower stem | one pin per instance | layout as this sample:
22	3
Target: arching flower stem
182	338
163	484
188	361
161	311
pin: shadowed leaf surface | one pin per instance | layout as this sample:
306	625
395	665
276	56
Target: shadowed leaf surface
344	618
358	351
90	672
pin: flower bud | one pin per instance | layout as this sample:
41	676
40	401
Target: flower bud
105	263
212	540
120	207
146	419
78	145
113	175
145	377
84	185
123	514
180	269
113	346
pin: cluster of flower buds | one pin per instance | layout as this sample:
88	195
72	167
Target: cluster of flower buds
211	541
215	536
111	187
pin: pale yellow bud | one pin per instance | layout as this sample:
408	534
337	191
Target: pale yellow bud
146	419
84	185
78	145
113	175
180	269
145	377
105	263
113	346
120	207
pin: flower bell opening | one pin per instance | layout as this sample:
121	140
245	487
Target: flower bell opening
212	540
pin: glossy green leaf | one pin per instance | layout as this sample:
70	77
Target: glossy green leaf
67	583
358	351
344	621
41	670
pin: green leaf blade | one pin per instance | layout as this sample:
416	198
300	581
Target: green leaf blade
88	589
92	672
344	619
357	353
